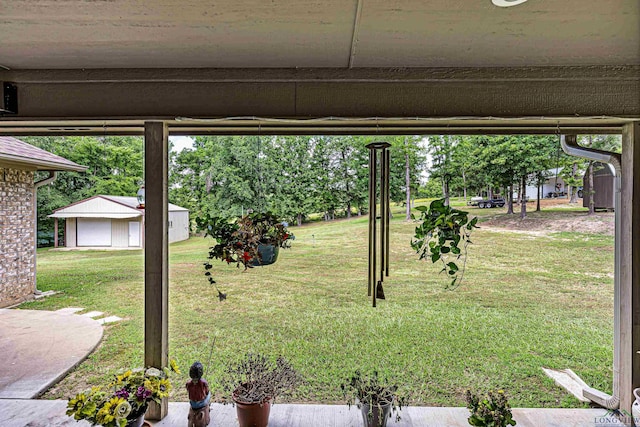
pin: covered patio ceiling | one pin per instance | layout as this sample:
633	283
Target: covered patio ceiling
329	66
80	34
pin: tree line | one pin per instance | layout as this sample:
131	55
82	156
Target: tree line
295	176
506	164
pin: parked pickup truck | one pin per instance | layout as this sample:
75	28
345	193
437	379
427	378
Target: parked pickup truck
486	203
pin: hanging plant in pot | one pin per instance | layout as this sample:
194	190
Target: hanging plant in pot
376	399
124	400
443	235
252	240
253	385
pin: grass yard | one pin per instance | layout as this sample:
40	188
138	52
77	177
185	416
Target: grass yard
529	300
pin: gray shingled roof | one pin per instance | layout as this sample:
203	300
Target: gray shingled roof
14	151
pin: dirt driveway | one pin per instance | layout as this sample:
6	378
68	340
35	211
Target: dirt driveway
556	215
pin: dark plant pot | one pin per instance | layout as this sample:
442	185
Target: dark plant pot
378	416
268	255
449	233
252	414
136	419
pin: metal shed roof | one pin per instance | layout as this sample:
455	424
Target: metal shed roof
106	207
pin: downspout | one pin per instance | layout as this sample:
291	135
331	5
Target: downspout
36	185
570	146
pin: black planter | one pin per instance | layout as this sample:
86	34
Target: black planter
268	255
450	233
136	418
378	416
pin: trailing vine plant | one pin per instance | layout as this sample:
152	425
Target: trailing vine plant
238	240
443	235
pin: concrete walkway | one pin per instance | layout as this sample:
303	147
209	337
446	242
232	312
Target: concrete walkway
41	413
39	348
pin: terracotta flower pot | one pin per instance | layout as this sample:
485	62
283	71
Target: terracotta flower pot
253	414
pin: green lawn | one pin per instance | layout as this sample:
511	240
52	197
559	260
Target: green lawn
528	300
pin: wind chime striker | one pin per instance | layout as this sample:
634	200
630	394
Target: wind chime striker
378	236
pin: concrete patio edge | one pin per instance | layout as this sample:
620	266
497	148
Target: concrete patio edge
41	413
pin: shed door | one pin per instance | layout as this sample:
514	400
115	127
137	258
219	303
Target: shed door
134	233
94	232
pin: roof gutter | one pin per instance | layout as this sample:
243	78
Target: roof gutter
52	176
570	146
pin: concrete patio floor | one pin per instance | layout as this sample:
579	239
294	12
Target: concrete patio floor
41	413
38	348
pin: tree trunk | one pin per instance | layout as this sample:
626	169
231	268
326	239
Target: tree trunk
592	192
573	189
523	200
510	199
407	183
346	179
299	220
538	201
464	185
445	191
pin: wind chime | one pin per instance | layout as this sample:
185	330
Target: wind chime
378	236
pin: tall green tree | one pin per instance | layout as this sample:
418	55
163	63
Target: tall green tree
295	190
441	150
514	159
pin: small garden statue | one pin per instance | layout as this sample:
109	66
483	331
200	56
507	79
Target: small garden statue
199	397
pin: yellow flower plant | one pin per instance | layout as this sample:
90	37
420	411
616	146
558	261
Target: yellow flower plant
125	398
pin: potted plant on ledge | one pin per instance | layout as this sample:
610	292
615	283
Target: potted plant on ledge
376	399
123	401
252	240
492	410
443	235
254	383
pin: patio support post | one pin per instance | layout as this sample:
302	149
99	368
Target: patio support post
156	287
630	266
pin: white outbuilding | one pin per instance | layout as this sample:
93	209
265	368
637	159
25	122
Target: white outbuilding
114	222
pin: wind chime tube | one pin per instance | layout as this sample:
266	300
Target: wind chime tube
387	217
371	219
383	211
380	250
373	214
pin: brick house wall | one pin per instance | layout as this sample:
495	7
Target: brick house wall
17	237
